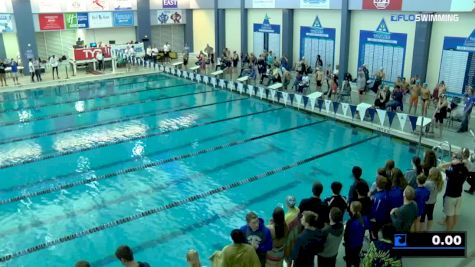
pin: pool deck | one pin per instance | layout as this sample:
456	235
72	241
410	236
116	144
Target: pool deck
467	219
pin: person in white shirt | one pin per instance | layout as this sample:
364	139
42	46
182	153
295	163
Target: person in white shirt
31	69
149	53
304	83
53	61
154	54
100	60
166	50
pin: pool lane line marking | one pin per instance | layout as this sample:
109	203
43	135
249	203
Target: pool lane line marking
56	178
65	114
174	204
106	122
183	230
85	98
60	154
77	84
149	165
127	197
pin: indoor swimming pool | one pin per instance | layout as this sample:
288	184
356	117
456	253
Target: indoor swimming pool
160	163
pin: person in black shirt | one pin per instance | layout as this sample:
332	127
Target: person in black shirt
366	203
336	200
315	204
309	243
456	174
357	172
125	255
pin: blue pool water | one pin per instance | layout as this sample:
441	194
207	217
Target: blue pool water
79	158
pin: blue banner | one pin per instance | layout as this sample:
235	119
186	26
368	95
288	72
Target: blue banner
316	40
382	49
266	28
83	20
123	19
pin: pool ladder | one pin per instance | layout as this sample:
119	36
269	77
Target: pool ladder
441	148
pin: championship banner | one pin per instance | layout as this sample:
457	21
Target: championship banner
6	23
90	53
51	22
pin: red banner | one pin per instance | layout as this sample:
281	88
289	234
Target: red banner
91	53
382	4
51	22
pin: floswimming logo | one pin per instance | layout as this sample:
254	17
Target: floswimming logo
425	17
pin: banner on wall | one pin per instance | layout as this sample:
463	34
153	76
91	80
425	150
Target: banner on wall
170	3
382	4
6	23
321	4
98	5
170	16
457	67
266	37
51	22
462	6
76	20
75	6
90	53
382	49
316	40
124	19
100	20
263	3
49	6
120	49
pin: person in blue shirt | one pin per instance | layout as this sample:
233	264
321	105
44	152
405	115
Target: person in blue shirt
354	235
395	195
380	208
14	66
422	195
467	109
258	236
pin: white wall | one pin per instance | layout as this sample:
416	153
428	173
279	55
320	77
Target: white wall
462	28
233	29
203	29
120	35
328	18
10	41
257	16
369	20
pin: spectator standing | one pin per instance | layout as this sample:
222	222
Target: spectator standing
366	203
279	232
315	204
336	200
435	185
467	109
309	243
356	172
395	194
31	69
404	217
354	235
380	207
469	160
37	64
258	236
14	66
100	60
3	78
456	175
411	175
293	223
422	196
334	235
125	255
239	253
53	61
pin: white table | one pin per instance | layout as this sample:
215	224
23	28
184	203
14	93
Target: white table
19	68
315	95
243	79
275	86
93	61
176	64
217	73
195	68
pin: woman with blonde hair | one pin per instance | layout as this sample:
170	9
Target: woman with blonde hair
434	184
193	259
